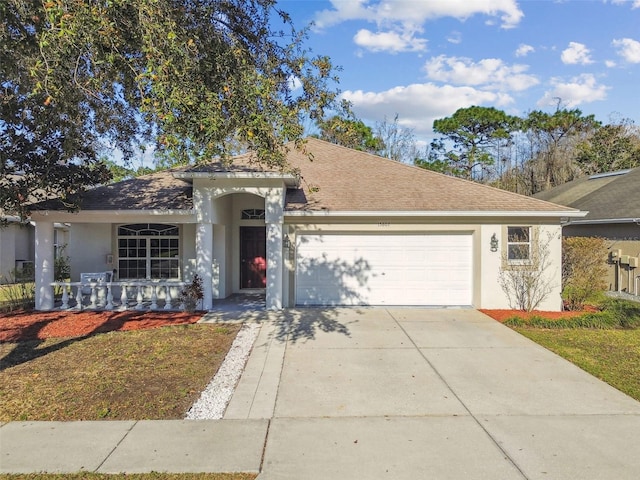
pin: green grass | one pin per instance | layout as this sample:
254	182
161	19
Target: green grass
605	343
611	355
614	314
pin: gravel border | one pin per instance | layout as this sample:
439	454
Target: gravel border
216	396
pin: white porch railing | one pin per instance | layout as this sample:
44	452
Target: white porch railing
139	295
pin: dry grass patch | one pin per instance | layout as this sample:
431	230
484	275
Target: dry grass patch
139	375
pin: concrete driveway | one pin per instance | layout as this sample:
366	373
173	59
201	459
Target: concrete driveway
405	393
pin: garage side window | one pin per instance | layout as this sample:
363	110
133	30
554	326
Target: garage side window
519	244
148	251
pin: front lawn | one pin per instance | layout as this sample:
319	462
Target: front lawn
604	342
153	373
611	355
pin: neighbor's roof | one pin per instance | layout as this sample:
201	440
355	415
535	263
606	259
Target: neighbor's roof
608	196
334	179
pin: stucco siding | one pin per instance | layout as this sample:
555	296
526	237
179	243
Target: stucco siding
89	245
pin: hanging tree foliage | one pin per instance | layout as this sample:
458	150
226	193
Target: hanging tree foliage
198	79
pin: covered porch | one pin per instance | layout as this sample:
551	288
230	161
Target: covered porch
232	238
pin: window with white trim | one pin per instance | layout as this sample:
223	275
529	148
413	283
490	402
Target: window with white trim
519	244
148	251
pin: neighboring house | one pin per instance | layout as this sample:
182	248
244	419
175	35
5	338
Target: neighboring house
613	202
16	248
351	229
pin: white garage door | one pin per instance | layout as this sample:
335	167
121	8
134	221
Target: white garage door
384	270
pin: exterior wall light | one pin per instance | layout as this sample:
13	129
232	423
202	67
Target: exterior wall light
286	242
494	243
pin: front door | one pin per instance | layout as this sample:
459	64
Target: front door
253	257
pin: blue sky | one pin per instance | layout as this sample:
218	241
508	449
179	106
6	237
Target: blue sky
425	59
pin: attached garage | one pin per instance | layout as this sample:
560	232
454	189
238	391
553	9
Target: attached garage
394	269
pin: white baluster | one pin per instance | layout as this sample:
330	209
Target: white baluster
167	302
124	300
139	298
65	297
109	305
79	297
94	297
154	297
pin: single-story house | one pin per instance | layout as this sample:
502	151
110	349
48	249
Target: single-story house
613	204
347	228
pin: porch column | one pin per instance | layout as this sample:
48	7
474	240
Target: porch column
44	262
274	266
274	216
204	261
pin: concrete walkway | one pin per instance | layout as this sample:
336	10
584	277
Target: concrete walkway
372	393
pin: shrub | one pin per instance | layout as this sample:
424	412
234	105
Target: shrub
528	285
19	292
615	313
583	271
192	293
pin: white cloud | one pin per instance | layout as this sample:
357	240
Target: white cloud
454	37
576	53
418	105
413	12
579	90
393	42
399	20
490	73
524	50
294	83
628	49
610	63
634	3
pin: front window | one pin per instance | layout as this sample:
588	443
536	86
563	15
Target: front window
148	251
519	244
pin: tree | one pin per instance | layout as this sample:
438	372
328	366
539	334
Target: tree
197	79
471	138
611	147
553	138
399	143
344	128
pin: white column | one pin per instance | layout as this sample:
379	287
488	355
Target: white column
274	266
44	265
203	203
204	261
274	217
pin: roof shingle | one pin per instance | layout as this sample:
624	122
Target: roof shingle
334	179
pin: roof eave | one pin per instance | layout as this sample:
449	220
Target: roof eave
604	221
428	213
289	179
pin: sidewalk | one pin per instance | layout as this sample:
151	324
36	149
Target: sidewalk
372	393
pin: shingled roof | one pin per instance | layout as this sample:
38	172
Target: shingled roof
609	196
333	179
343	179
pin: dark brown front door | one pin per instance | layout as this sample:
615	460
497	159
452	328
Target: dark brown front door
253	257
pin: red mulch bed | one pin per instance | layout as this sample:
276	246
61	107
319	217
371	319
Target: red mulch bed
32	325
502	315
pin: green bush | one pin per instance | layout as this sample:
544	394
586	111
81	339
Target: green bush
615	313
583	271
18	293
